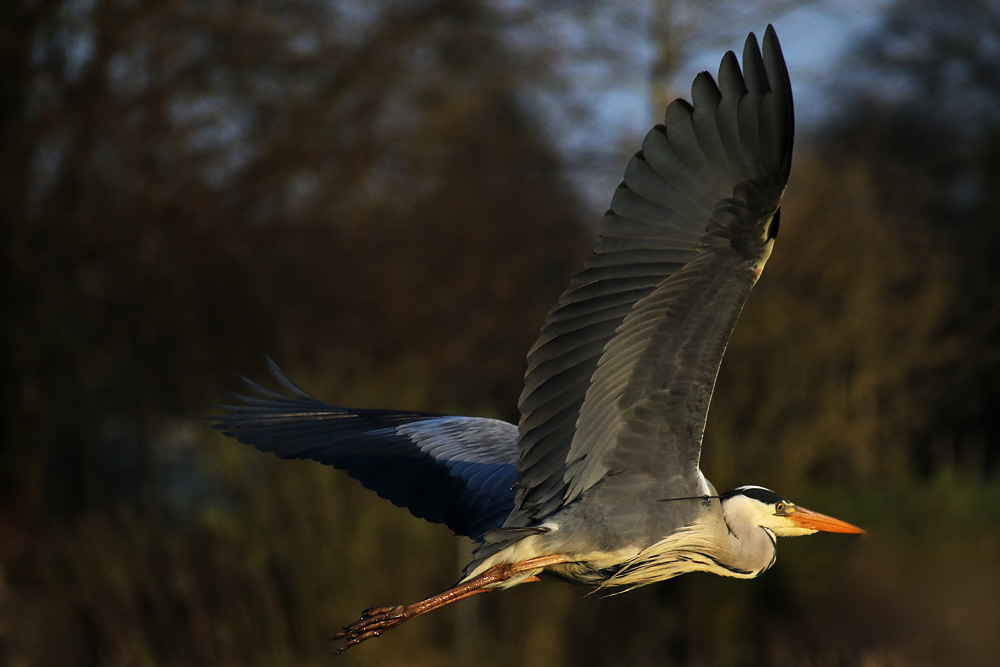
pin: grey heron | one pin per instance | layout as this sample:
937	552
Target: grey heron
599	483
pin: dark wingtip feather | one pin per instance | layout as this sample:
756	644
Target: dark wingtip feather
777	73
283	379
451	470
753	63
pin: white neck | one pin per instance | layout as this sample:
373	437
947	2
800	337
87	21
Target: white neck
750	548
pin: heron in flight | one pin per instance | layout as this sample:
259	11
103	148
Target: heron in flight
599	482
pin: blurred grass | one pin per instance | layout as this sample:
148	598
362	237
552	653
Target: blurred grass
289	551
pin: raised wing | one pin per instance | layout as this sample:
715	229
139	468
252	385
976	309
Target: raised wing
620	379
452	470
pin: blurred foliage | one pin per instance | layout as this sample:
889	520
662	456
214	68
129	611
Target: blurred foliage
849	345
147	263
358	191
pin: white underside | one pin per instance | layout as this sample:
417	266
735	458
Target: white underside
532	547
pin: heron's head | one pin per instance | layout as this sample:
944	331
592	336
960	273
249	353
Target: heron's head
765	508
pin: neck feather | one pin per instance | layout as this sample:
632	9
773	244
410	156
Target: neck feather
704	546
750	548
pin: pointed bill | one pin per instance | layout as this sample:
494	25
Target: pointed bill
804	518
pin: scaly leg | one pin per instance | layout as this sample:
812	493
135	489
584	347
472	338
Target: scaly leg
376	620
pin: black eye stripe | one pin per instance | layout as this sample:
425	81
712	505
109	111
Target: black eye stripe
765	496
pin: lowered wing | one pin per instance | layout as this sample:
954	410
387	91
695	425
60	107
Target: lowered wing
452	470
620	379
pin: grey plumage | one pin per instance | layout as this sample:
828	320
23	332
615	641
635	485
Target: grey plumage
619	382
600	482
624	369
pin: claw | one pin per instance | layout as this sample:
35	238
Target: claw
372	623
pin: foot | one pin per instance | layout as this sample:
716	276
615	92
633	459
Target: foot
376	620
371	624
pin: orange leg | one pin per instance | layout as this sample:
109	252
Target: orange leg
377	620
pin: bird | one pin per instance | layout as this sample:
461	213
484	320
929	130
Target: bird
599	481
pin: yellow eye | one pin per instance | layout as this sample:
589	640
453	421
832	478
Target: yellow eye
779	508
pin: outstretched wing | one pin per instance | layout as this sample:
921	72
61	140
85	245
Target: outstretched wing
452	470
620	380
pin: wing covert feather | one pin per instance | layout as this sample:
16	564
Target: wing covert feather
623	371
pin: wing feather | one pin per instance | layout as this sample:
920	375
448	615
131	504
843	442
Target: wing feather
622	374
458	471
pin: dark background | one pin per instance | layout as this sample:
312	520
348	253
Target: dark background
369	194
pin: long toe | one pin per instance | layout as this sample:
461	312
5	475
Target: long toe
371	624
386	612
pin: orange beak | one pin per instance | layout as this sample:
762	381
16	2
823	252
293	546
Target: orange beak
815	521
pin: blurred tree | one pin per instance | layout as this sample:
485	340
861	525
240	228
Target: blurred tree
193	185
926	117
356	189
929	96
847	346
